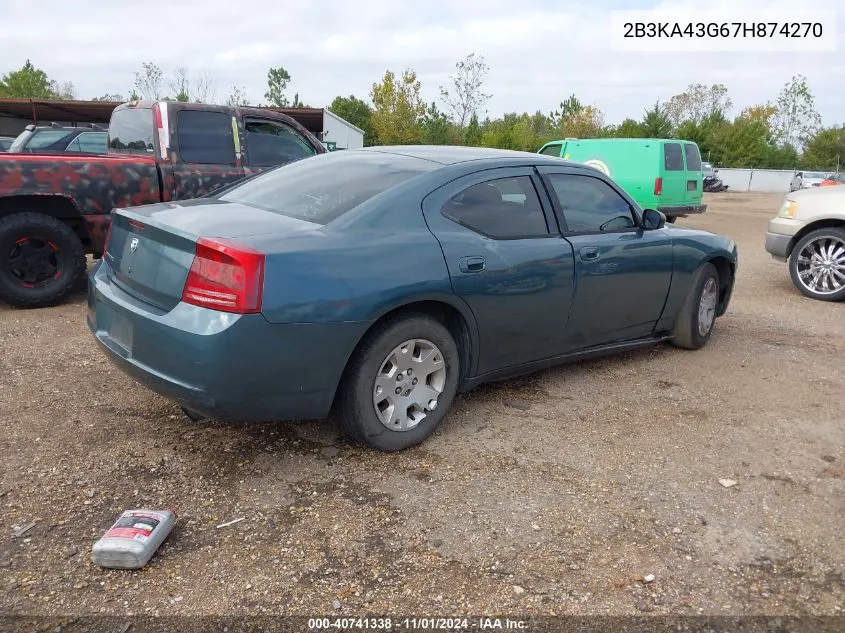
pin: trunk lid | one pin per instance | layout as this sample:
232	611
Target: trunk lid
151	248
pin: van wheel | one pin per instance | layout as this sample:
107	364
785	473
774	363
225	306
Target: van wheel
41	260
671	219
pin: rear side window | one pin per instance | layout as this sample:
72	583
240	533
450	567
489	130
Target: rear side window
505	208
271	143
673	158
551	150
325	187
131	131
205	137
693	157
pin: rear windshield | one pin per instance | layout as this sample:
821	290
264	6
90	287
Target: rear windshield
693	157
131	131
322	188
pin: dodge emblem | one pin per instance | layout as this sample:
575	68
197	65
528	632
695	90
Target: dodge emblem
133	245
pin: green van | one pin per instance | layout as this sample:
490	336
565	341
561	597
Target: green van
662	174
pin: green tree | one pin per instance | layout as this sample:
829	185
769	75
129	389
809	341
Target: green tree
398	108
277	82
110	97
697	103
181	85
825	150
655	123
569	108
358	112
466	97
796	119
27	83
148	82
629	128
237	97
437	129
472	135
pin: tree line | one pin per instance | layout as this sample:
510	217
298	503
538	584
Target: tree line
784	133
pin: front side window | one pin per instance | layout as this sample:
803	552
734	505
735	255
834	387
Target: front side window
551	150
505	208
271	143
89	143
590	205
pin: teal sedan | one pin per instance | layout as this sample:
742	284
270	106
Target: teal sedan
375	284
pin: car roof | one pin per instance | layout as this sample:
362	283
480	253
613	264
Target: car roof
454	154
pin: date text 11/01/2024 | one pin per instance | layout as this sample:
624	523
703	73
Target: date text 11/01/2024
417	624
723	29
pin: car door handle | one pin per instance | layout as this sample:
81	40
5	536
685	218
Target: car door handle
472	264
589	253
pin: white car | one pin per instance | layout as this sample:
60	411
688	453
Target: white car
806	179
809	234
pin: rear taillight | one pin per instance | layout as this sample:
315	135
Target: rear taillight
658	186
225	276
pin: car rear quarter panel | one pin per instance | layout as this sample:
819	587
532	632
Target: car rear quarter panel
95	185
355	276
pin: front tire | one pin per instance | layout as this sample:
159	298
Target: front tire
695	322
817	264
400	384
41	260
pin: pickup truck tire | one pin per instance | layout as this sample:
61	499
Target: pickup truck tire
41	260
820	252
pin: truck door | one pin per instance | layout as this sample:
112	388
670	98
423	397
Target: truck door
204	157
268	143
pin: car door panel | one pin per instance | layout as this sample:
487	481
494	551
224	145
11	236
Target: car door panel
622	275
519	288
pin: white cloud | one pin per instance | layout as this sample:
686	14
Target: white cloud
539	52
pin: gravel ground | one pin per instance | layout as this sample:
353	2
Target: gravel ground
610	475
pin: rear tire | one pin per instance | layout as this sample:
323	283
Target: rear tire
378	397
41	260
671	219
694	323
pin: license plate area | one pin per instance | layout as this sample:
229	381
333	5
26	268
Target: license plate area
120	331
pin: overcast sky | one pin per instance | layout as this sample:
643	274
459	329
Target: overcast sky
539	51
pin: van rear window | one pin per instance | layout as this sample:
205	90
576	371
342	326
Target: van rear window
673	157
693	157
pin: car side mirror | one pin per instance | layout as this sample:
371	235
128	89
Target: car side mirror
653	220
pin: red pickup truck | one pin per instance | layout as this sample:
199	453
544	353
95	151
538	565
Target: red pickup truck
54	210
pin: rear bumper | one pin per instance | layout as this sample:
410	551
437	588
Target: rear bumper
681	210
236	368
